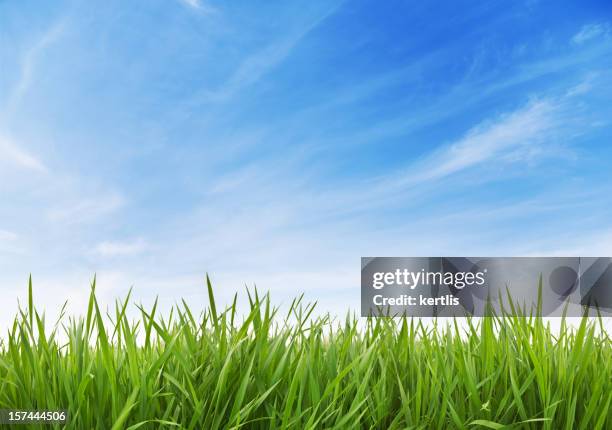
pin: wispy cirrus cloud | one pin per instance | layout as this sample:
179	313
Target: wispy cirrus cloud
29	62
121	248
517	131
11	153
192	3
591	31
87	209
199	5
257	64
7	236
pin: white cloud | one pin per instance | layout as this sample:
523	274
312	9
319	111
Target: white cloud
87	209
192	3
258	64
29	60
198	5
7	236
491	140
121	248
9	152
589	32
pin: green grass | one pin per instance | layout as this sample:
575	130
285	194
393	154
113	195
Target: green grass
222	370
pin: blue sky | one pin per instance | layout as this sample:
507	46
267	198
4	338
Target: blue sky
277	143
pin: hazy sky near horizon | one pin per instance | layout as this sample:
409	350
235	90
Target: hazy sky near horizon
277	143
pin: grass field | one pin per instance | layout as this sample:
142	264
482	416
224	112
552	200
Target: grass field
223	370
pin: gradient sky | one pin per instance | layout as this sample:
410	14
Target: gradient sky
275	144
